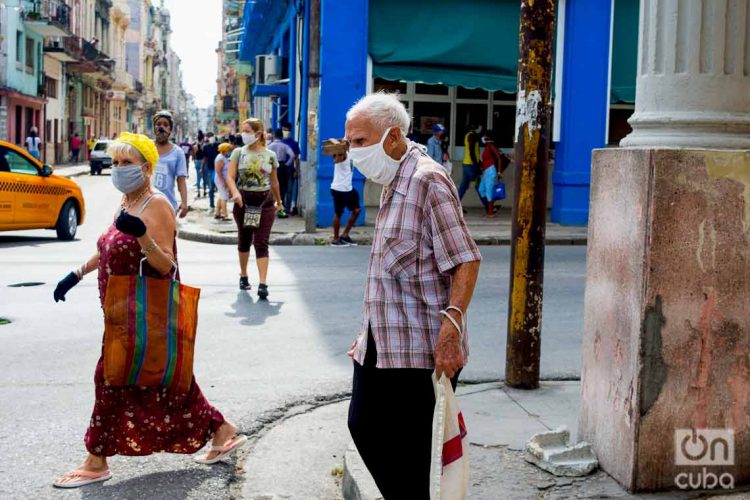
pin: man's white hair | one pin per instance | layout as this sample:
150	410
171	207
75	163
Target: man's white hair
383	110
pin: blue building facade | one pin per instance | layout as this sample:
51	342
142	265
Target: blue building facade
453	63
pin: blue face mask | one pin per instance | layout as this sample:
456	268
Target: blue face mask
128	179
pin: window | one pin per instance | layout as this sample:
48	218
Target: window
466	116
388	86
502	96
504	125
422	88
427	114
464	93
18	164
30	55
19	47
618	122
50	87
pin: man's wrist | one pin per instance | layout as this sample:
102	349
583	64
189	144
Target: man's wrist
449	329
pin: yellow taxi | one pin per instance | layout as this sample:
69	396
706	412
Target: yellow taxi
32	197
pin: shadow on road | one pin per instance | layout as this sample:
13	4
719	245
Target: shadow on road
27	241
253	311
159	485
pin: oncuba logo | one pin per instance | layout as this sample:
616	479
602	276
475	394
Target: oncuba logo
704	448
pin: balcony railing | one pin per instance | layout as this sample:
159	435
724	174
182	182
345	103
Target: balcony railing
48	17
83	55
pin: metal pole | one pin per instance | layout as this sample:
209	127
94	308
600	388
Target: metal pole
530	205
313	98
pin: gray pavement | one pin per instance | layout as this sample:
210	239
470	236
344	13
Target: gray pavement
256	361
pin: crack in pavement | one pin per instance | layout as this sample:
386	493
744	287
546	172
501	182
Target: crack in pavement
267	421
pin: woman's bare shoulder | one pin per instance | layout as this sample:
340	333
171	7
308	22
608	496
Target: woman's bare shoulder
160	209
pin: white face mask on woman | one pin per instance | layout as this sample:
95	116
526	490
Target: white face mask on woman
374	162
249	139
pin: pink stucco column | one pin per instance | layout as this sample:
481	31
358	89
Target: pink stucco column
666	353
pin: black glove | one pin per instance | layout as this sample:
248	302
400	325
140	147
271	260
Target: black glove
64	286
130	224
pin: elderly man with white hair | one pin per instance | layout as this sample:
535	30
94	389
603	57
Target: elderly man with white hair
423	268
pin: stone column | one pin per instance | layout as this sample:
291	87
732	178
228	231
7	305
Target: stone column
693	84
666	346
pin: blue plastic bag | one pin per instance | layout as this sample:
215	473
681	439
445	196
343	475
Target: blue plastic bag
499	192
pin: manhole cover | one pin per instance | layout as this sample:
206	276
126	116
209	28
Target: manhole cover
23	285
4	321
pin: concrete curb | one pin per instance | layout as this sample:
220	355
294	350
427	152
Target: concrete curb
191	233
276	239
357	483
69	172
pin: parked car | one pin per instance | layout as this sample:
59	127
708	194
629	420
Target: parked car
32	197
99	159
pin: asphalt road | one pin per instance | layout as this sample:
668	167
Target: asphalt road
252	358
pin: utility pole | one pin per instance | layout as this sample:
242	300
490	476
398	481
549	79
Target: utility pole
530	205
313	90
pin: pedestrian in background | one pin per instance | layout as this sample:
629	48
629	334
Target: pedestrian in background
422	271
187	149
491	161
345	197
198	157
210	152
254	186
75	147
133	420
33	142
472	162
445	146
286	157
90	145
434	149
290	198
221	170
171	166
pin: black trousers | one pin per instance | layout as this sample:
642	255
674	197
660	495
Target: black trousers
390	420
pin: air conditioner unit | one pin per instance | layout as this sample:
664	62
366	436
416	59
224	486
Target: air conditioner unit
267	69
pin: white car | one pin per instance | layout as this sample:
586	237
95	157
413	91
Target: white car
99	159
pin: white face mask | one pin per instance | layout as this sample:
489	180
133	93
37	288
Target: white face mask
374	162
248	139
286	134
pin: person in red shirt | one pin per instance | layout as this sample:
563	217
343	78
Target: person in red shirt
491	164
75	148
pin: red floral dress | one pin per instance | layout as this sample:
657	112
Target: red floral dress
137	420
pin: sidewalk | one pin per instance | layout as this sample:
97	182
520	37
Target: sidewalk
499	420
72	170
200	226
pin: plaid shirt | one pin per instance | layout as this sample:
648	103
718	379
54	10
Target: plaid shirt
420	237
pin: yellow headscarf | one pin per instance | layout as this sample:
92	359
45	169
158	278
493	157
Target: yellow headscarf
225	148
143	144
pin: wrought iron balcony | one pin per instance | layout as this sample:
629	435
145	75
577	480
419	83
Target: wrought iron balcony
82	55
47	17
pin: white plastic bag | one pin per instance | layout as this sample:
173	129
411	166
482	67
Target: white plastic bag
448	165
449	465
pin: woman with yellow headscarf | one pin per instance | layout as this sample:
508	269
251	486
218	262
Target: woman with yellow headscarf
134	420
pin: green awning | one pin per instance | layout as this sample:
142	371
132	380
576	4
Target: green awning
624	51
453	43
474	43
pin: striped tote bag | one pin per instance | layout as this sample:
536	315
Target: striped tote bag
149	332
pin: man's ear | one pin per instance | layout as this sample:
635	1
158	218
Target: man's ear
394	136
